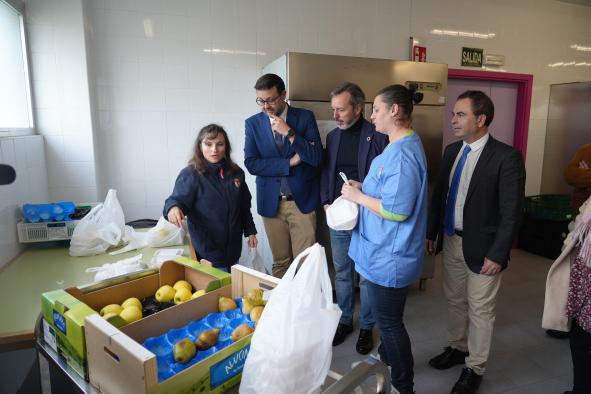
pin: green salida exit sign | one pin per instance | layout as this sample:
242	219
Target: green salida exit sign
471	57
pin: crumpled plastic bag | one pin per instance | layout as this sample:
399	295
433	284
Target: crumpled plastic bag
100	229
253	260
120	267
165	234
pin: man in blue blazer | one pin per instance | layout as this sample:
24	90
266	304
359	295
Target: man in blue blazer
283	150
350	148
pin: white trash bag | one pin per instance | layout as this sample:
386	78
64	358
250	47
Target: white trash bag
254	260
291	348
342	214
120	267
165	234
100	229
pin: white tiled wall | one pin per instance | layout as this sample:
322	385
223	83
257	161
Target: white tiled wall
61	99
27	156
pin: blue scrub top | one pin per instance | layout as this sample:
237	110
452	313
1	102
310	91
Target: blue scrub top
387	252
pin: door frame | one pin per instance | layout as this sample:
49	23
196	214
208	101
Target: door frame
523	106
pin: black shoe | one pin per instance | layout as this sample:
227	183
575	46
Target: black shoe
448	358
468	382
557	334
364	342
343	331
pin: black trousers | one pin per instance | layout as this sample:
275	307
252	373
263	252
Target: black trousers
580	349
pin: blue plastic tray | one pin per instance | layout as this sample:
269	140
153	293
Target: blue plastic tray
162	345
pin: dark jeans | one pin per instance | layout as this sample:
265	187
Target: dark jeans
580	349
344	282
387	308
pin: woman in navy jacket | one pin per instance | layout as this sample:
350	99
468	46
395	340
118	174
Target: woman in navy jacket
212	193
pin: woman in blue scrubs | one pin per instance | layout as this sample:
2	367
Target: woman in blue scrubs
387	244
212	194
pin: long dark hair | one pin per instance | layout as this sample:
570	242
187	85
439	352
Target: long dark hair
210	132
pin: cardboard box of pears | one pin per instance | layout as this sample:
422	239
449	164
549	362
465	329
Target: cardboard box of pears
198	346
121	303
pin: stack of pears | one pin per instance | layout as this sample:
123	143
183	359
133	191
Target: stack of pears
130	310
253	304
178	293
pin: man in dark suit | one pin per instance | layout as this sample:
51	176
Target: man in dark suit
475	213
283	149
350	148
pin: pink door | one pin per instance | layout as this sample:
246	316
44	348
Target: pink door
504	97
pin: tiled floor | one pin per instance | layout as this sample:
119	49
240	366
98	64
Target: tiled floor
523	358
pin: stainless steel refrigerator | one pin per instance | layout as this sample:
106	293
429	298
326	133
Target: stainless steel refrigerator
310	78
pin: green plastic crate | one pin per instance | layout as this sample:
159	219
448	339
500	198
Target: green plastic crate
549	207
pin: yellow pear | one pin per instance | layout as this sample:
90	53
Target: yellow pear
226	304
182	295
182	283
183	351
207	339
246	306
165	294
255	296
131	314
256	312
111	308
109	315
241	331
198	293
131	301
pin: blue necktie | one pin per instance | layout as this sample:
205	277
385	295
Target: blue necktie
284	188
450	208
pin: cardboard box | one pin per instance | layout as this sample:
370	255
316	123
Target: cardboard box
65	310
120	364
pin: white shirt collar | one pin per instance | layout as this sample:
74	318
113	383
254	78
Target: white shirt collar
478	144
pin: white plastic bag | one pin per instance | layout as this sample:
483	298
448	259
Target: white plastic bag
291	348
120	267
254	260
342	214
165	234
100	229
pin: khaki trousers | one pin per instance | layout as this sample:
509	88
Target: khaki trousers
471	300
289	233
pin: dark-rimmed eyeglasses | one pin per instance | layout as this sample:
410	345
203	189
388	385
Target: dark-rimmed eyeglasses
260	102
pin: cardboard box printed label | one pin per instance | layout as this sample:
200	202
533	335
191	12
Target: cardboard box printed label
118	362
65	310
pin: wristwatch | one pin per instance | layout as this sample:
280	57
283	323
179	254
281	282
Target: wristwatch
290	133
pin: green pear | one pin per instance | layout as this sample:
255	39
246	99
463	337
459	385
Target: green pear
182	283
207	339
111	308
165	294
241	331
131	314
131	301
226	304
256	312
182	295
255	297
246	306
183	351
